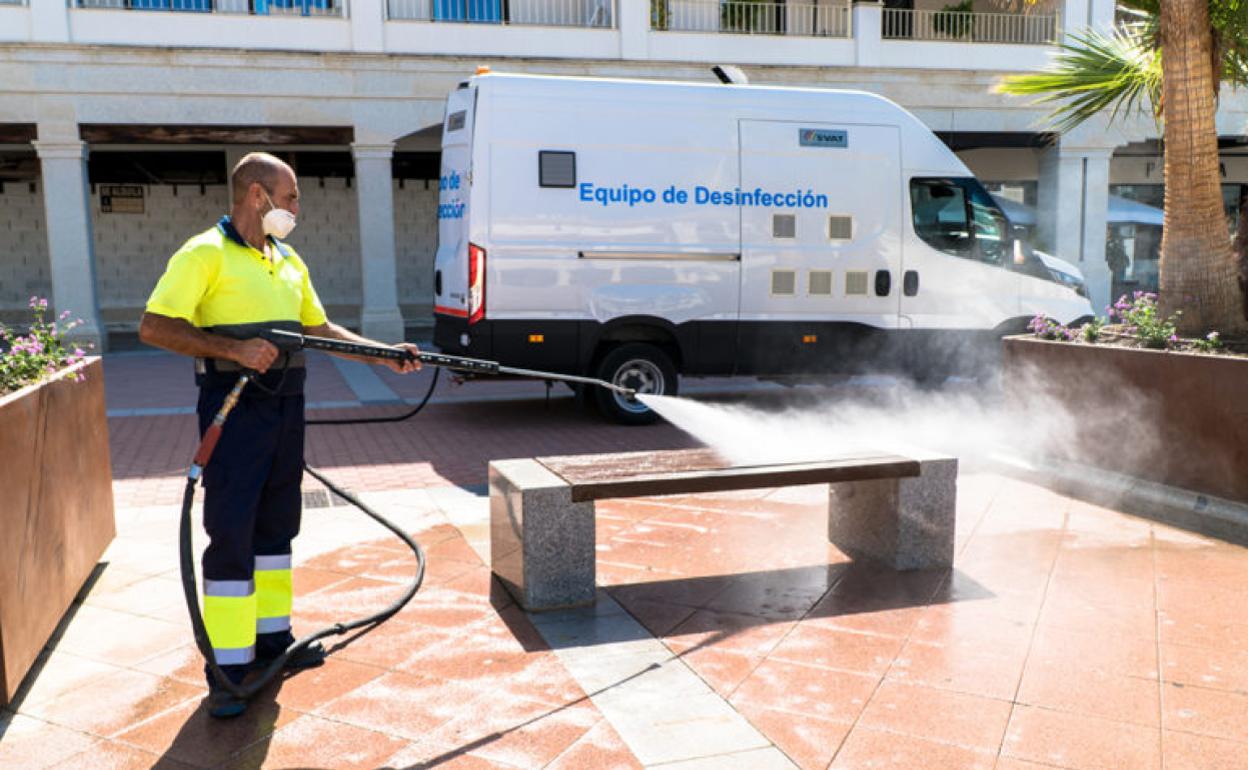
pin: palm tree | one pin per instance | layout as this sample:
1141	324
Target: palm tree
1172	56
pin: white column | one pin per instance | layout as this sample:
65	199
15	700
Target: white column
379	315
71	253
1073	210
49	21
634	21
367	26
866	25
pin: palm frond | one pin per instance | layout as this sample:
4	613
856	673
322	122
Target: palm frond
1118	72
1229	19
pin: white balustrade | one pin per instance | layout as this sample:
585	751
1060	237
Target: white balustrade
550	13
812	19
968	27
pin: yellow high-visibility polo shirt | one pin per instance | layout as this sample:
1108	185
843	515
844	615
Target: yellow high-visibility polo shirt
218	281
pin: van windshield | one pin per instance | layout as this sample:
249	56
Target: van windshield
957	216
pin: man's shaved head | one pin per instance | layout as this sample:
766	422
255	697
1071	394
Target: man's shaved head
260	167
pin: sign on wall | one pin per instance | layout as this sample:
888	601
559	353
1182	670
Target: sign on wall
121	199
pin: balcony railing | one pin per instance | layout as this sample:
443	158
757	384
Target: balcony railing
967	27
252	7
13	2
553	13
751	17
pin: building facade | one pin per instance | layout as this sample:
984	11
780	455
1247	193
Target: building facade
119	120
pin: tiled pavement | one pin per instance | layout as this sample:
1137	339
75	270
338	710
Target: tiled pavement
729	634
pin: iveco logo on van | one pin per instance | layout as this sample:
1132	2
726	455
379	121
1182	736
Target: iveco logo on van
822	137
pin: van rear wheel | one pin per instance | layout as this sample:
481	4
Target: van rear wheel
641	367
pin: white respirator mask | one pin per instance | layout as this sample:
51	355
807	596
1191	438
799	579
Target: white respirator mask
277	222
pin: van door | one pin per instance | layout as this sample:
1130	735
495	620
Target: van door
958	286
450	263
821	215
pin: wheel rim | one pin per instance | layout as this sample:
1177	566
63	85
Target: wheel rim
641	375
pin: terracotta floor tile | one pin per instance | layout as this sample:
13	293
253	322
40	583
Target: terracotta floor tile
1126	655
106	755
723	670
1227	636
1073	612
690	592
1215	713
308	580
816	645
968	669
779	595
818	692
426	754
519	733
808	741
1203	667
389	645
1080	742
599	749
311	688
729	631
870	616
402	705
867	749
32	744
659	618
1070	687
959	625
969	721
544	680
1113	591
313	742
1182	751
187	734
1009	763
115	702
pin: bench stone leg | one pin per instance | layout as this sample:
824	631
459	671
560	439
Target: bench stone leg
907	523
541	543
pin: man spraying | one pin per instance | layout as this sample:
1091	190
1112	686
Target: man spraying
218	292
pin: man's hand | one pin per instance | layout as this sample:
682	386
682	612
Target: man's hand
410	365
255	354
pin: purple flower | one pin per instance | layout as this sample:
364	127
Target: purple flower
64	314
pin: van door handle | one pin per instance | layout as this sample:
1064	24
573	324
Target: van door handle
910	283
883	283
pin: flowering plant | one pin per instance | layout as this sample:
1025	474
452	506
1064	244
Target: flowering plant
1140	317
1047	329
26	359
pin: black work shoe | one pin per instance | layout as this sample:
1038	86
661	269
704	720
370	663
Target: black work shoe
307	657
223	704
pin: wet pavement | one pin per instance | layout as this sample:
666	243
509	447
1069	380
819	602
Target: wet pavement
728	633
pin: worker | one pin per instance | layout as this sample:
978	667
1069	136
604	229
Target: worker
219	290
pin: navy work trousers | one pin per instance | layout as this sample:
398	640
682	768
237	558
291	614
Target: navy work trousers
252	504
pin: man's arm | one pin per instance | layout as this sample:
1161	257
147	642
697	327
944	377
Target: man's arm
336	332
179	336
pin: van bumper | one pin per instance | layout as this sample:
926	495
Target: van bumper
451	332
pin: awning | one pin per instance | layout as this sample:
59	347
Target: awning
1122	211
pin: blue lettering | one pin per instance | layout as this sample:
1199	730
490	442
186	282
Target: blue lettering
701	195
587	192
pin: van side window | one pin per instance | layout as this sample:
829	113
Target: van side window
455	121
958	217
556	169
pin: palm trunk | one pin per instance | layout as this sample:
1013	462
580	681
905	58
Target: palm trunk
1198	269
1241	248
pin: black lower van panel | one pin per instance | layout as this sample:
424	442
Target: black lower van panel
711	348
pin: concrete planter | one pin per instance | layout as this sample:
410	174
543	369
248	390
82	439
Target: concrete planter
1192	409
56	509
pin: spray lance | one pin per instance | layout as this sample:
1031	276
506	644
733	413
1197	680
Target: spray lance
289	342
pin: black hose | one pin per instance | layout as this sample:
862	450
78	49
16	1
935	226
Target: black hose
189	582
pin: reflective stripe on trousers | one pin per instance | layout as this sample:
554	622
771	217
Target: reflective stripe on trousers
273	594
230	619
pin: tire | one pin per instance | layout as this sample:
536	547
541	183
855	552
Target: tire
646	369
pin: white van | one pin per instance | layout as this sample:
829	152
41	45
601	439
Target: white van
636	230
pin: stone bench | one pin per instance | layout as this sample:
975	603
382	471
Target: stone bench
898	510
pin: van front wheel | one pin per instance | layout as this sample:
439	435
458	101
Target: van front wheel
643	368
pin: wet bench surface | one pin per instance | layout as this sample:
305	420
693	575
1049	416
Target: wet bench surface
887	507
